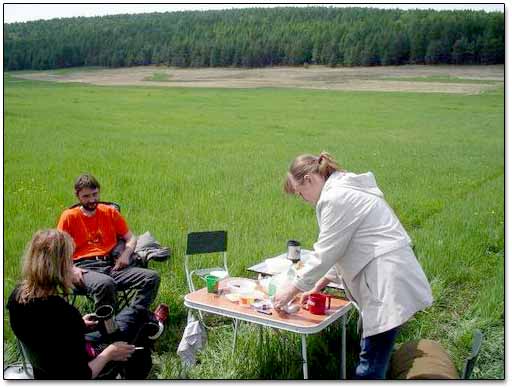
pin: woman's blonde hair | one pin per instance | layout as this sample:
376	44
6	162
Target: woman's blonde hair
47	265
323	165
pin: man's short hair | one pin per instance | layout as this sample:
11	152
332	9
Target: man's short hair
86	181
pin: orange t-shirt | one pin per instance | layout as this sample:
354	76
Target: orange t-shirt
96	235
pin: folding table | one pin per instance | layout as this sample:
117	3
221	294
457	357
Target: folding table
303	322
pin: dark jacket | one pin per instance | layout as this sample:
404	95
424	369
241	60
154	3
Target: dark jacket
52	332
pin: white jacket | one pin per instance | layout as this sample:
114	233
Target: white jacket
362	243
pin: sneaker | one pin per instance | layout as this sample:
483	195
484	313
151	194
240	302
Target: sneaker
162	313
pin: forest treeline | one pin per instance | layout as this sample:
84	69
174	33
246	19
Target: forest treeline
258	37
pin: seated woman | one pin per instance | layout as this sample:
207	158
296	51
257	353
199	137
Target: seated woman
51	330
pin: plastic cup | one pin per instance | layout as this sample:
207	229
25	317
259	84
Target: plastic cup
212	284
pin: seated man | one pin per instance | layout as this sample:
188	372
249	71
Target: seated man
95	229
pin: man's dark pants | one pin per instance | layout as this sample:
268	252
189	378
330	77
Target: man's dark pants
102	283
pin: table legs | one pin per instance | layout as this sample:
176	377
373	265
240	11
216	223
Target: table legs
304	356
343	358
304	344
235	334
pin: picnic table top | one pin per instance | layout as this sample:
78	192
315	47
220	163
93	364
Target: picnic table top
302	322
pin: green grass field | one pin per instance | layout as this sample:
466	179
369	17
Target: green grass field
181	160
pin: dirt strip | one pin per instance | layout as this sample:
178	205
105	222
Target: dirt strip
423	79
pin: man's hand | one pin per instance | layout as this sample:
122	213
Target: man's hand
78	277
122	262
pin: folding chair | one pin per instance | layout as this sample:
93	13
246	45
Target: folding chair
124	296
206	243
23	371
471	360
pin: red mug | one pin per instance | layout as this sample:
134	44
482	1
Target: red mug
317	303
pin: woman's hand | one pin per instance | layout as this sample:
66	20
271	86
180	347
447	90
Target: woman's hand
304	296
319	286
284	296
90	321
119	351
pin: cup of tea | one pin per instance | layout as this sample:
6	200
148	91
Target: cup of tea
212	284
318	303
106	319
293	251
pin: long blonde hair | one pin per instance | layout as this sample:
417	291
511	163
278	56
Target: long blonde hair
323	165
47	265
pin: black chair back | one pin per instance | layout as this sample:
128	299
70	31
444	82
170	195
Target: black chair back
207	242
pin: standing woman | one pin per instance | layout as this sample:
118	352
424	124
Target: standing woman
362	245
52	330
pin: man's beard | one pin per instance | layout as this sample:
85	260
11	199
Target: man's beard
90	206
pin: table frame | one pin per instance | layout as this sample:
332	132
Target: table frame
265	321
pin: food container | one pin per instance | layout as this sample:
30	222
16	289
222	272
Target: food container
239	286
245	297
232	297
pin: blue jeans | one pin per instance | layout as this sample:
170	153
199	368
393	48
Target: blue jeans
375	354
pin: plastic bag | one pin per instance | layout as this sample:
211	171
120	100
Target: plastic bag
279	281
